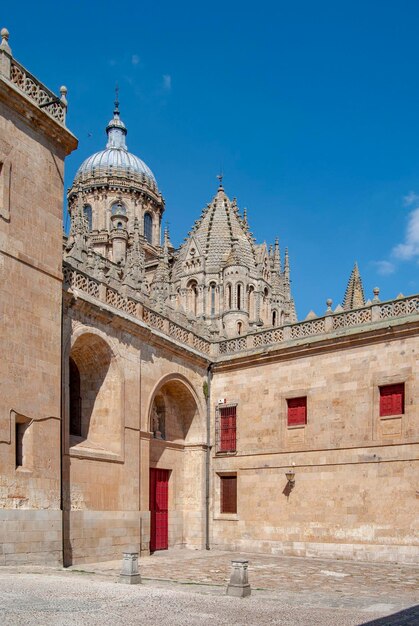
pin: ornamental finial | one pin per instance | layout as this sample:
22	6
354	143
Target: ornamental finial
116	109
4	45
220	177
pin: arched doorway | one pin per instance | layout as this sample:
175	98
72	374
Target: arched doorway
177	466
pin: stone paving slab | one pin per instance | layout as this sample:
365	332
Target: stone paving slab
295	574
291	590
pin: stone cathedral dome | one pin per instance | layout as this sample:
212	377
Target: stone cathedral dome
115	160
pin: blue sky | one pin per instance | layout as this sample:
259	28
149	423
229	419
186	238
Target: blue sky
311	109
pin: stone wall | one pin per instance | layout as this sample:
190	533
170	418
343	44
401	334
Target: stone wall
31	190
355	492
107	483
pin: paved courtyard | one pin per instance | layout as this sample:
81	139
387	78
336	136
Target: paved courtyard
188	587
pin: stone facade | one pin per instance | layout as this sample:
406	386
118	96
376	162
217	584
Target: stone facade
33	145
120	361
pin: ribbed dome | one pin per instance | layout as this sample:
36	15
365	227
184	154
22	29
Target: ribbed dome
115	160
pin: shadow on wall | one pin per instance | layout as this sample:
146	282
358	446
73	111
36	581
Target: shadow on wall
174	417
407	617
95	393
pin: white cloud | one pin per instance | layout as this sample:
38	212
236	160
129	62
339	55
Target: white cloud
411	198
135	59
385	268
167	82
409	249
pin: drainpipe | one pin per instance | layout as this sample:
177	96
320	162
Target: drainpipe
208	461
63	526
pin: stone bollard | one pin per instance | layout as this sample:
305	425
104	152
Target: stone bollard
239	584
129	573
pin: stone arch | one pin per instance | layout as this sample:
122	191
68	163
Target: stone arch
100	392
179	456
177	387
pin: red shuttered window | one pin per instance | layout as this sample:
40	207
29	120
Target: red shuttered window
227	429
392	400
228	494
297	411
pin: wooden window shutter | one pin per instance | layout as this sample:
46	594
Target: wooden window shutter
227	429
228	494
297	411
392	399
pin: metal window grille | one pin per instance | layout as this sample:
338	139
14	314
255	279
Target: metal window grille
226	429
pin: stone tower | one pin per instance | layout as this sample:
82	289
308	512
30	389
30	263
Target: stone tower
119	198
223	278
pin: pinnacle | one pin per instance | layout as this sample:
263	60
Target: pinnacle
354	294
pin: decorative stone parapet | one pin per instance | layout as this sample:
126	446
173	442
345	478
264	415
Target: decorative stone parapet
25	82
239	586
129	574
95	288
318	327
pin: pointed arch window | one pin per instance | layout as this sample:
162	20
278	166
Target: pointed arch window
148	227
273	318
87	211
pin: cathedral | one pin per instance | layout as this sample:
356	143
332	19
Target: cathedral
153	396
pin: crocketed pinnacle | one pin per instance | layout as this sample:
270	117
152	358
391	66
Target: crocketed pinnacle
162	274
354	294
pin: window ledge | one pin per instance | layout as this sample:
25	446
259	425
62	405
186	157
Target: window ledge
296	426
232	453
228	517
391	417
80	451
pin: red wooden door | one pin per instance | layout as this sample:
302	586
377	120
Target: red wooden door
159	500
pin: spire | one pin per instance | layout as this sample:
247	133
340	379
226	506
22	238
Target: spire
116	109
286	266
162	275
116	129
277	257
354	294
245	222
